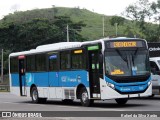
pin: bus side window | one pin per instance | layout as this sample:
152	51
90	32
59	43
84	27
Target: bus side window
30	61
41	62
65	60
78	60
53	64
154	67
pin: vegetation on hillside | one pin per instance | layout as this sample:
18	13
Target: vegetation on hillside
143	11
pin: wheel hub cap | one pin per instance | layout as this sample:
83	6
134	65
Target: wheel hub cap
35	95
84	97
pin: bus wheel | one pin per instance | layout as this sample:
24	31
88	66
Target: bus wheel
85	101
121	101
35	98
34	95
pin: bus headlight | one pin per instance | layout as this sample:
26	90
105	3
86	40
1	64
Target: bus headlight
110	85
149	83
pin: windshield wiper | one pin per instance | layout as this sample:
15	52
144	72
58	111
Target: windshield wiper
124	58
134	55
133	60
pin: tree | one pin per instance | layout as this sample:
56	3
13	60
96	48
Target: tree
117	20
38	31
142	12
156	8
74	28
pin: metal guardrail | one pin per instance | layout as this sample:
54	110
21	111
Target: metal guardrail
4	87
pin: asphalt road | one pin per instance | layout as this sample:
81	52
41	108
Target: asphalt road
9	102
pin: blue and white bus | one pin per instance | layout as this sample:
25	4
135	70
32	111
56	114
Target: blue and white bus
115	68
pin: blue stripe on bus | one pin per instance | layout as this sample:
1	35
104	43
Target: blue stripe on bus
54	79
127	84
38	78
135	88
15	79
129	87
73	78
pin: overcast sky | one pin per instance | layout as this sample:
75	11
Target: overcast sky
107	7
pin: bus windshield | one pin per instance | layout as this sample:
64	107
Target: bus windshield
126	62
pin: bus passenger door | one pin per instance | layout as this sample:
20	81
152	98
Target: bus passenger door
22	80
93	60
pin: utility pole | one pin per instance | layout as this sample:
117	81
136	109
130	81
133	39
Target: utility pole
53	11
103	25
2	67
67	34
116	28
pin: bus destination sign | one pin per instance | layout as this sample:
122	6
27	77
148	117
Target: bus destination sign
124	44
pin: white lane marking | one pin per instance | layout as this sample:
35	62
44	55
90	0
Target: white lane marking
89	109
9	102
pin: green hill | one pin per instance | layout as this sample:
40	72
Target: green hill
93	21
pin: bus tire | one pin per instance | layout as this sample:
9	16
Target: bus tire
85	101
35	97
121	101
